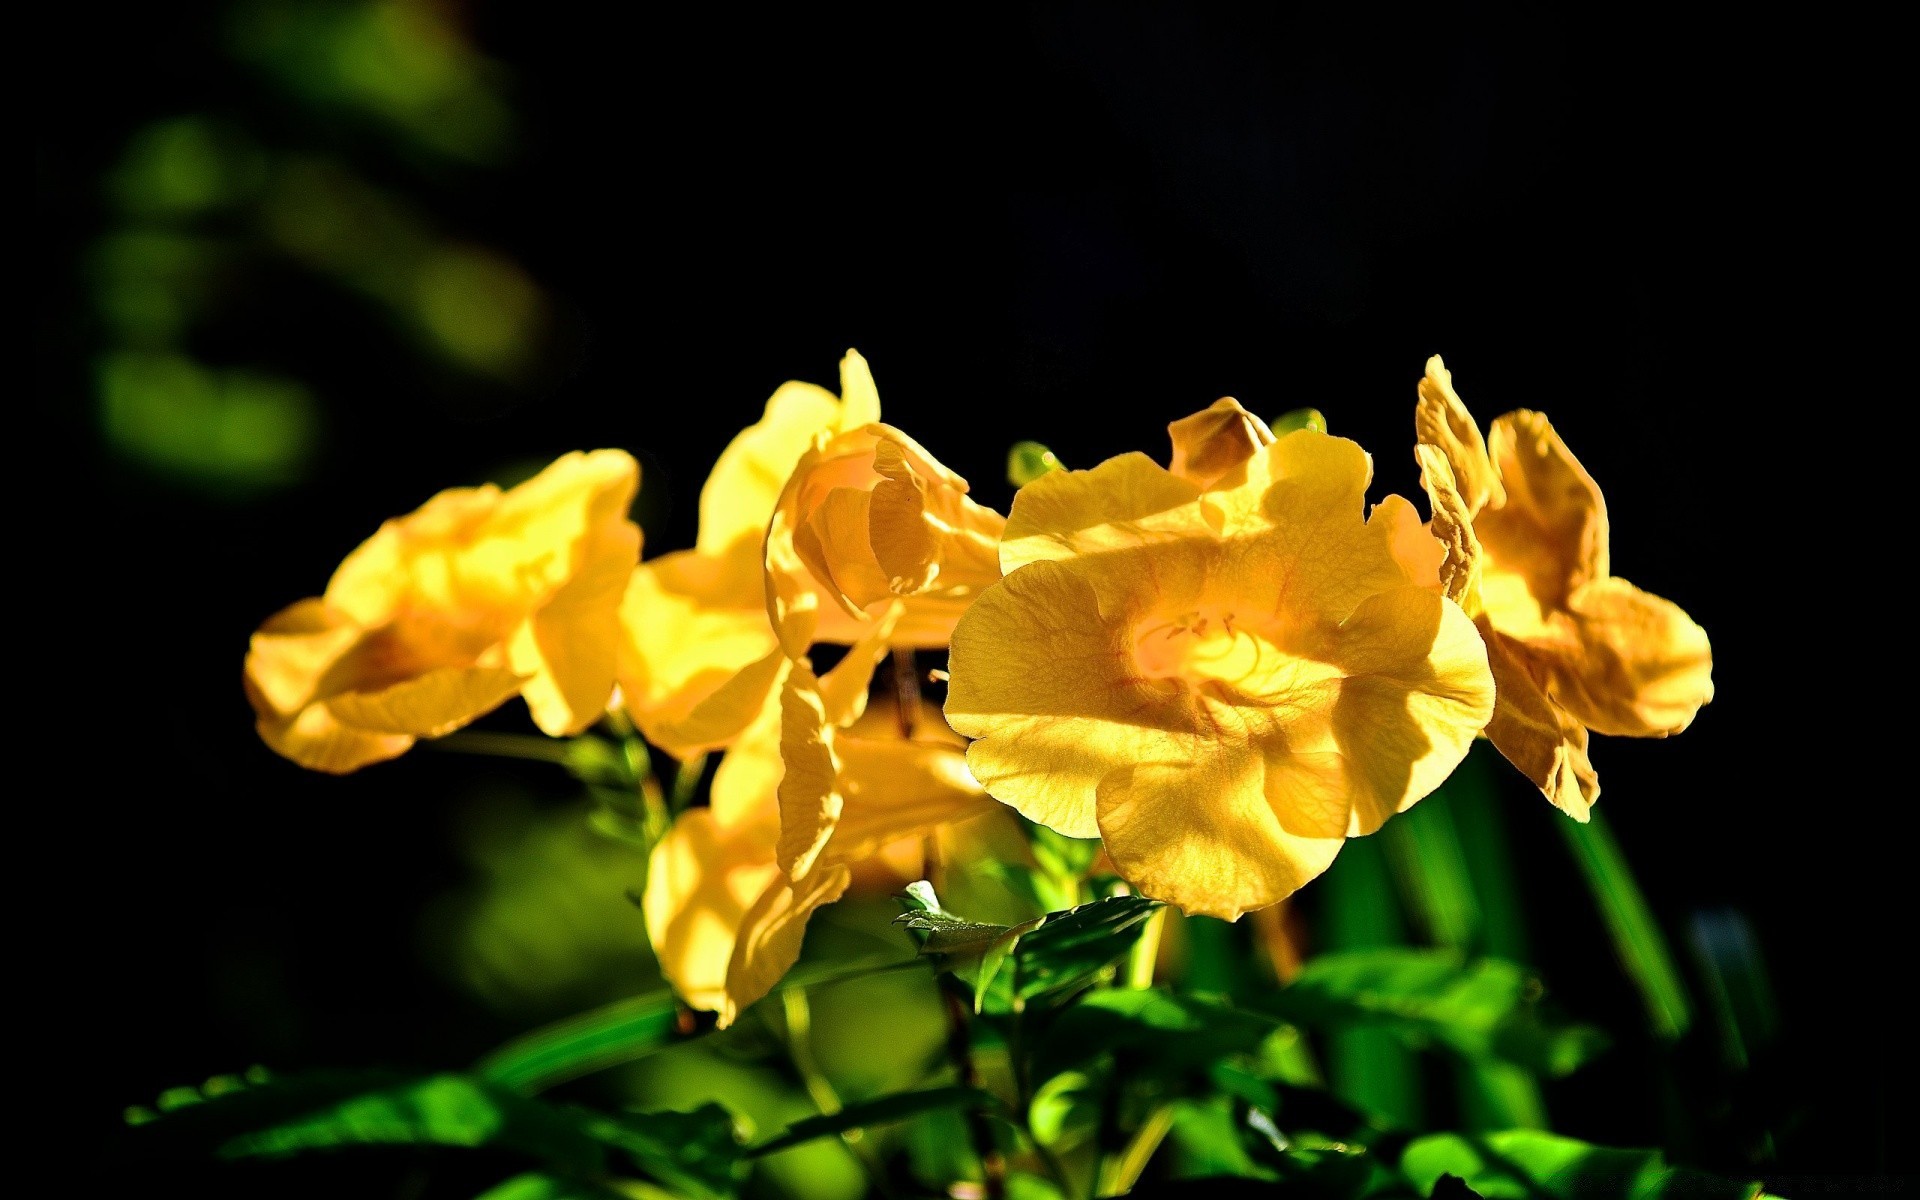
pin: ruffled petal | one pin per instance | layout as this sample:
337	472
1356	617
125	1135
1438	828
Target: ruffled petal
1546	742
1215	440
1642	667
570	647
1202	834
771	934
1417	691
697	656
317	741
1440	420
1041	680
1552	530
1115	505
1452	529
740	493
428	705
701	880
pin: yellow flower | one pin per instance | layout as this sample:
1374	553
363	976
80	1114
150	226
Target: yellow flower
731	887
869	517
443	614
1223	684
1573	647
698	655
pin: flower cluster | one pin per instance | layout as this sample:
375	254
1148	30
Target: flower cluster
1223	668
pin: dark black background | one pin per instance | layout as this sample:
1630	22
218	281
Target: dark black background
1068	224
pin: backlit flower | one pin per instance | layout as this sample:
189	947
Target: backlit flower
698	655
1573	647
815	795
443	614
868	518
1223	684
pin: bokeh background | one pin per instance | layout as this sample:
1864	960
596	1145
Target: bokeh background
307	261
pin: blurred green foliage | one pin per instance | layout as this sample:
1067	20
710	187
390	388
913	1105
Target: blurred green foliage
206	208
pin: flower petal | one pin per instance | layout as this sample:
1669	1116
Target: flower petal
1552	530
295	654
701	880
1215	440
569	648
428	705
1643	667
1440	420
698	658
1202	834
1452	528
1546	742
1039	677
1417	692
895	789
1112	506
771	934
1305	479
859	398
313	738
739	494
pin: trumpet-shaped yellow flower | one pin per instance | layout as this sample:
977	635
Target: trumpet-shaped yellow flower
1573	647
868	518
1223	675
698	655
443	614
731	887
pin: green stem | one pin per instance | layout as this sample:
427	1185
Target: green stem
686	778
960	1049
799	1017
1146	951
1120	1174
504	745
1636	935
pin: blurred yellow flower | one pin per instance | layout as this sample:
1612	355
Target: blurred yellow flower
1573	647
815	795
867	518
443	614
1223	675
698	655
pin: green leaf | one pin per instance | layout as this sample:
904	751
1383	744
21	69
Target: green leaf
1050	954
882	1110
1529	1165
605	1037
697	1153
1636	935
1484	1009
537	1185
1069	947
441	1110
1150	1032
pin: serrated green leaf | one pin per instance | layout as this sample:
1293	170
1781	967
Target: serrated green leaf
882	1110
1483	1009
1526	1164
993	959
1066	948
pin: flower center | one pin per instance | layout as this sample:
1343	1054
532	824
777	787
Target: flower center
1208	645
